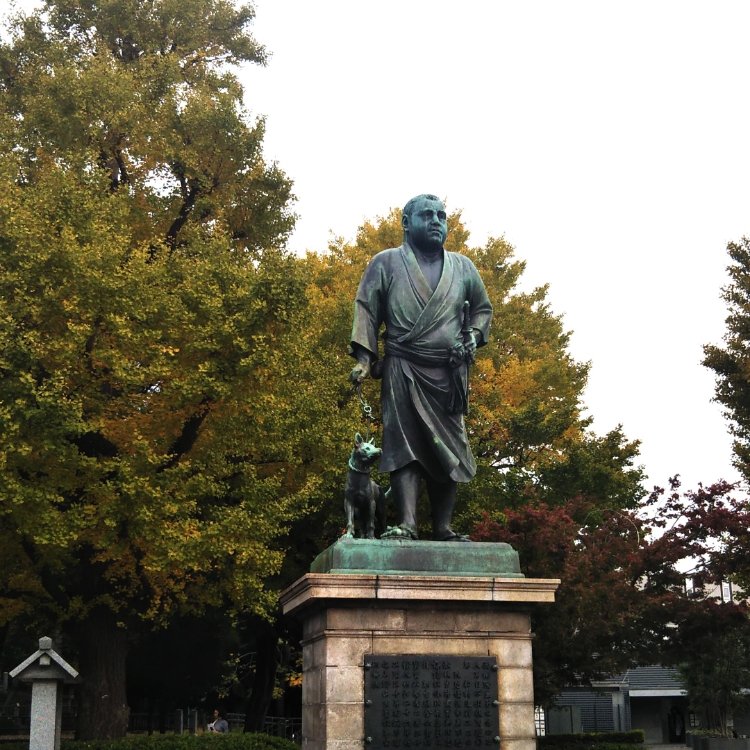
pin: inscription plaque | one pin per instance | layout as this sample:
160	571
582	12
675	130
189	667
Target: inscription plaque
431	702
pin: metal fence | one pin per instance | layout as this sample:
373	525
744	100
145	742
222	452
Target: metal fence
290	729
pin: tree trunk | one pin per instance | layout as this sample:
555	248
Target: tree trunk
102	703
264	679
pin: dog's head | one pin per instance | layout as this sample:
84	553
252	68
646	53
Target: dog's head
365	452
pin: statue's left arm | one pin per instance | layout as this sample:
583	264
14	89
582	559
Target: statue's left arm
480	307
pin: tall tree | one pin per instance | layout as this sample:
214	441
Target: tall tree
629	568
606	566
714	643
731	363
148	464
710	634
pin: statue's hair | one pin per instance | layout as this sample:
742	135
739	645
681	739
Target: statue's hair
409	207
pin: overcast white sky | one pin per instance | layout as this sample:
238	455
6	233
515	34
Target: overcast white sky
606	140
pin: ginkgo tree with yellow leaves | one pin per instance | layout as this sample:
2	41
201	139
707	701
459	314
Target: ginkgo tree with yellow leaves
148	460
175	414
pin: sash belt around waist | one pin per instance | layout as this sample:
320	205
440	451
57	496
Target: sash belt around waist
458	396
418	355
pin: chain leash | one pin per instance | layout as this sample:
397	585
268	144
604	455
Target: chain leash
366	410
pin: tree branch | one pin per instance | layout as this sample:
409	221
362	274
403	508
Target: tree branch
189	434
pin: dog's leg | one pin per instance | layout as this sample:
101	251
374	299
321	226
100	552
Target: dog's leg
370	527
349	511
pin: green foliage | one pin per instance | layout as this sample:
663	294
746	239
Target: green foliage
716	665
230	741
592	741
731	363
145	308
599	740
205	741
148	445
174	406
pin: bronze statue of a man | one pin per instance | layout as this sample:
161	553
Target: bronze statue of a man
436	313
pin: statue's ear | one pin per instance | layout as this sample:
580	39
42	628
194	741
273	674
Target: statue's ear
358	439
405	221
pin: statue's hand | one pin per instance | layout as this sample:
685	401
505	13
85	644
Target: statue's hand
470	347
359	372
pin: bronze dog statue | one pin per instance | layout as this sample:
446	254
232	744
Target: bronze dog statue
364	499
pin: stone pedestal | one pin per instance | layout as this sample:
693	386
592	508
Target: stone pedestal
347	616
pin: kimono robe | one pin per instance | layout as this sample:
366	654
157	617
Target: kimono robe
421	327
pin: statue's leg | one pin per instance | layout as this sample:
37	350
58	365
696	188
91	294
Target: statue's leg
442	501
405	491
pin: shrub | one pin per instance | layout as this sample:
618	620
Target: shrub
592	741
231	741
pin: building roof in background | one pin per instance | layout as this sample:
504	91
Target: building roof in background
654	680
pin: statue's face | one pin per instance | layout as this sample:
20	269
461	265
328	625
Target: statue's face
427	225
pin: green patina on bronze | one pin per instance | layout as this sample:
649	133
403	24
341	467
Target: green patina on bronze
408	557
435	312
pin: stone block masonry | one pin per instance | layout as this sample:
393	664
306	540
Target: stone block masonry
347	617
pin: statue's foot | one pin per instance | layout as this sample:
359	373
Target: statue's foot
399	532
451	536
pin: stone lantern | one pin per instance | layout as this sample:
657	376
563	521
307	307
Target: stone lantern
46	670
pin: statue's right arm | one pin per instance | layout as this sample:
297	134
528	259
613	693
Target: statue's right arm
368	317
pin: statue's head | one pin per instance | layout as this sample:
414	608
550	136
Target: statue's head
425	222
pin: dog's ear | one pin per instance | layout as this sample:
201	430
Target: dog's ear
358	440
